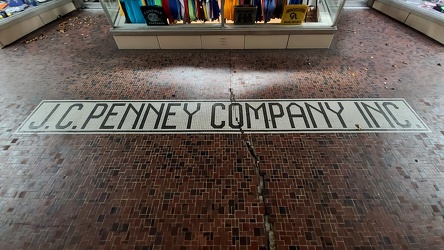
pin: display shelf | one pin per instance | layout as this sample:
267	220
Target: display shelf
226	35
20	24
414	14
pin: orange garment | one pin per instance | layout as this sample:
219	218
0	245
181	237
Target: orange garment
229	9
3	5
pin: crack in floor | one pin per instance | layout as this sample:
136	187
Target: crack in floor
268	225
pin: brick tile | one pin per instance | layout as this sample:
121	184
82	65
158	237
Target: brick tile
322	191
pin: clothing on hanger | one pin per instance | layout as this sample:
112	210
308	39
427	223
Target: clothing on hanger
269	6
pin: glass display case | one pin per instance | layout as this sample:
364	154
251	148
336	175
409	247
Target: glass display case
16	24
198	24
424	16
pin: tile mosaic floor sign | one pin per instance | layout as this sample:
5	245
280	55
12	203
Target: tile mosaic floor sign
205	116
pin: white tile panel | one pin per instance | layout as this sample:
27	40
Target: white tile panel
394	12
19	30
137	42
180	42
52	15
223	42
266	41
427	27
310	41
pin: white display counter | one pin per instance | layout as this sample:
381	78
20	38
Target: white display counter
20	24
225	34
414	14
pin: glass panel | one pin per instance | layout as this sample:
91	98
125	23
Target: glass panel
16	10
318	16
111	8
426	7
334	8
128	14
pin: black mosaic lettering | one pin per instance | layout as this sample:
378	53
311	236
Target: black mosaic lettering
235	119
58	124
363	115
320	110
274	115
252	116
137	112
169	113
92	115
32	126
302	115
158	113
338	113
408	124
110	113
379	110
262	107
213	116
190	115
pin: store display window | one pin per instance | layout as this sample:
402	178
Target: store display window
21	17
14	7
170	14
434	6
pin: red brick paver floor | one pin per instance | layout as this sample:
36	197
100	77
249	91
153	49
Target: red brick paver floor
203	191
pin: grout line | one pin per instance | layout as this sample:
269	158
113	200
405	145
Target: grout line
271	243
268	225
